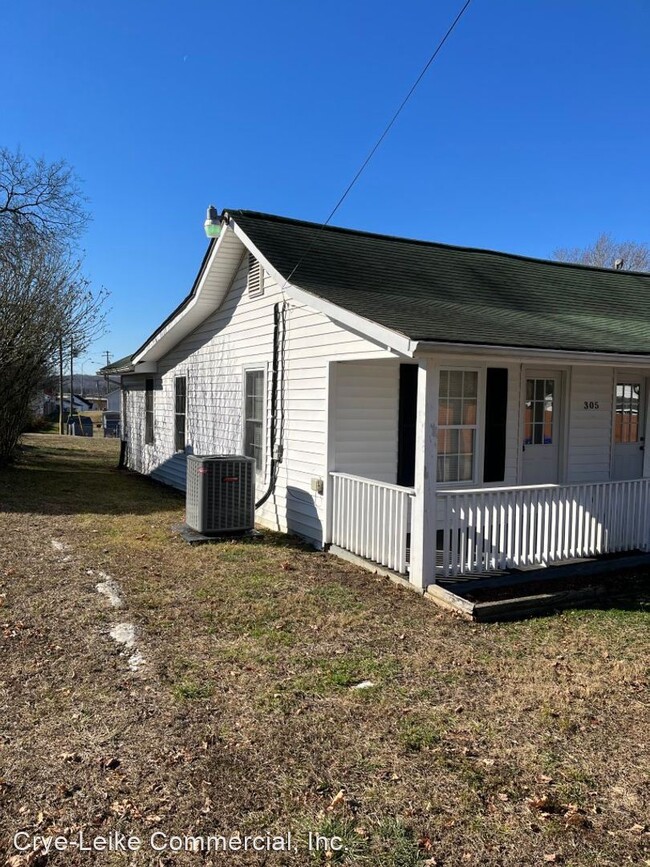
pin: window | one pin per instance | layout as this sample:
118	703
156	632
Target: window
628	401
457	425
148	411
254	416
180	411
538	413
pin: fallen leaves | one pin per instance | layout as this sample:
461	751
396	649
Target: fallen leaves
336	801
71	758
547	806
126	809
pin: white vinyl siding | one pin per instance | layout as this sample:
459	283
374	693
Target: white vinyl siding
238	336
590	429
366	407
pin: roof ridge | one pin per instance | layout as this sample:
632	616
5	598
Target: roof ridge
439	244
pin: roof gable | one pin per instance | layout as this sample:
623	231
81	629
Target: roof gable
210	288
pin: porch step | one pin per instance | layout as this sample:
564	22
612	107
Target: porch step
546	592
592	566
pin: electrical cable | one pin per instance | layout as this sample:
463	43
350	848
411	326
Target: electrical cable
280	312
381	138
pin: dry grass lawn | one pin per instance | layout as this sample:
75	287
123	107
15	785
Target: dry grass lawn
510	744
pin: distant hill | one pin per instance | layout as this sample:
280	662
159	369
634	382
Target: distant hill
89	384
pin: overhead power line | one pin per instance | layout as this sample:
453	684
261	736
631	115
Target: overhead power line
381	138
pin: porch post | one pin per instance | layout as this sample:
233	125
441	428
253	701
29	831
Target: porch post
646	431
330	448
423	513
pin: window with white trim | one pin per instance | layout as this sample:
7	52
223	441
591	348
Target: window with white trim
180	412
148	412
457	425
254	416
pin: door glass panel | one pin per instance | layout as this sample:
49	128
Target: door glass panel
628	403
538	412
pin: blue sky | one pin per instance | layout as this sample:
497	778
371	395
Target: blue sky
529	132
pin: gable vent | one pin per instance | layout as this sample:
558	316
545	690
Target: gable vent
255	281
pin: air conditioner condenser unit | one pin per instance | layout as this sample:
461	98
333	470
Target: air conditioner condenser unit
220	496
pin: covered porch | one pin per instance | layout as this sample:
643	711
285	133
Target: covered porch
472	467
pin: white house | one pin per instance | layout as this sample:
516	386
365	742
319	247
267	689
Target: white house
433	409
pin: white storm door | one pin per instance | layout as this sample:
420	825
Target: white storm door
541	427
629	422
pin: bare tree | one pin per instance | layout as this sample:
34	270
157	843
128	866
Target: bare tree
46	303
39	196
606	252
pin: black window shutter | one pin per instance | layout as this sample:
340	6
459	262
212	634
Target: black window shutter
496	408
408	393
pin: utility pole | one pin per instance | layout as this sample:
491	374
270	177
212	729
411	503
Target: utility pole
71	383
108	361
61	383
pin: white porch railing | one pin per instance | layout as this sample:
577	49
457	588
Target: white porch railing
486	530
371	519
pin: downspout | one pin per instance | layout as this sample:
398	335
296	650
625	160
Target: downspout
122	462
276	456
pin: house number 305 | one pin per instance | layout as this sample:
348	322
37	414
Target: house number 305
591	404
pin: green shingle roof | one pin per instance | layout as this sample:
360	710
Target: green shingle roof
436	292
122	365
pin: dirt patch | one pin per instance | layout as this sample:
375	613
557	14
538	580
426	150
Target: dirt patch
503	744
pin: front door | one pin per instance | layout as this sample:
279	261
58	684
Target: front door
541	427
628	439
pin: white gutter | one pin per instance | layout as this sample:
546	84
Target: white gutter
516	353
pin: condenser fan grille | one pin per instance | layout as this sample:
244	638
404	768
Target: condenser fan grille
220	493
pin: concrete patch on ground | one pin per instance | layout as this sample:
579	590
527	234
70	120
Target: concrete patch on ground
109	588
124	633
61	547
136	661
